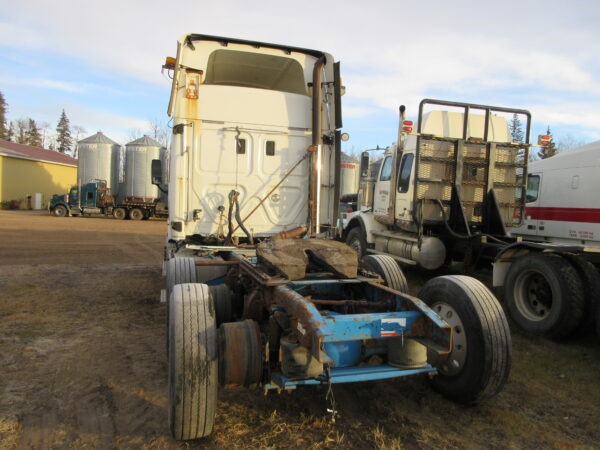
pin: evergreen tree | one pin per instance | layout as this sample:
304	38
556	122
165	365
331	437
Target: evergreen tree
64	140
33	134
516	130
3	110
550	149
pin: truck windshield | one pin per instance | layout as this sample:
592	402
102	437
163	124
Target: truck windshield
255	70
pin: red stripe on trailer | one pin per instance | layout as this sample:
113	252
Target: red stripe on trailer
585	215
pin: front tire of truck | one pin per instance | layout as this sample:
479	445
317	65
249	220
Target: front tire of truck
119	213
481	356
544	294
387	267
60	211
193	362
356	239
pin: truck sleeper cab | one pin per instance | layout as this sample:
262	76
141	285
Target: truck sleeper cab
242	121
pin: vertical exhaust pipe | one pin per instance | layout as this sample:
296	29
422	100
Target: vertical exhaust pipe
316	147
391	219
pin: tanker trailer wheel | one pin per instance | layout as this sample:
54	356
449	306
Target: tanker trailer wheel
480	360
193	362
388	269
544	294
136	214
119	213
59	211
179	271
356	239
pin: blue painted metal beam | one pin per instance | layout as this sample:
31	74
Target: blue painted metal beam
348	375
356	327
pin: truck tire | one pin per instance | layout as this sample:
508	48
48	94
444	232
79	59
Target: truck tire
356	239
479	363
591	291
136	214
179	271
388	269
544	294
222	299
193	362
119	213
60	211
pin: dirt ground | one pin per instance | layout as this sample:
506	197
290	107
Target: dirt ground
82	364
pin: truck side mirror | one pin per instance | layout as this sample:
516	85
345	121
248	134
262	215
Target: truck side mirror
156	171
364	165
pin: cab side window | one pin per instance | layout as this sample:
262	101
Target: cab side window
386	170
405	169
533	188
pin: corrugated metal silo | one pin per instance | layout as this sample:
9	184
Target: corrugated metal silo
99	160
138	169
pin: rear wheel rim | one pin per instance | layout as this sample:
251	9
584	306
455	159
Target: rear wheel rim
458	356
533	295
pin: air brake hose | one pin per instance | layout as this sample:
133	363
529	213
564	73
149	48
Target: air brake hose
238	218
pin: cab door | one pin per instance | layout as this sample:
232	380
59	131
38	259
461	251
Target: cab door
88	196
404	188
382	188
533	211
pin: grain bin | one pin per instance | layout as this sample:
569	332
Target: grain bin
138	169
99	160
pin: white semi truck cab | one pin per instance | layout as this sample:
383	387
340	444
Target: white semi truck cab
448	189
244	114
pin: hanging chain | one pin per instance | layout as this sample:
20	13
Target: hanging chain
329	396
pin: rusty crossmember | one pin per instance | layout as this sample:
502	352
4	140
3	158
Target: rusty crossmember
309	330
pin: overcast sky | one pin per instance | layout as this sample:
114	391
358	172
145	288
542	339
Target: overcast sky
100	60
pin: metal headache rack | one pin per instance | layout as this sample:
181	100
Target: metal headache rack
470	171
